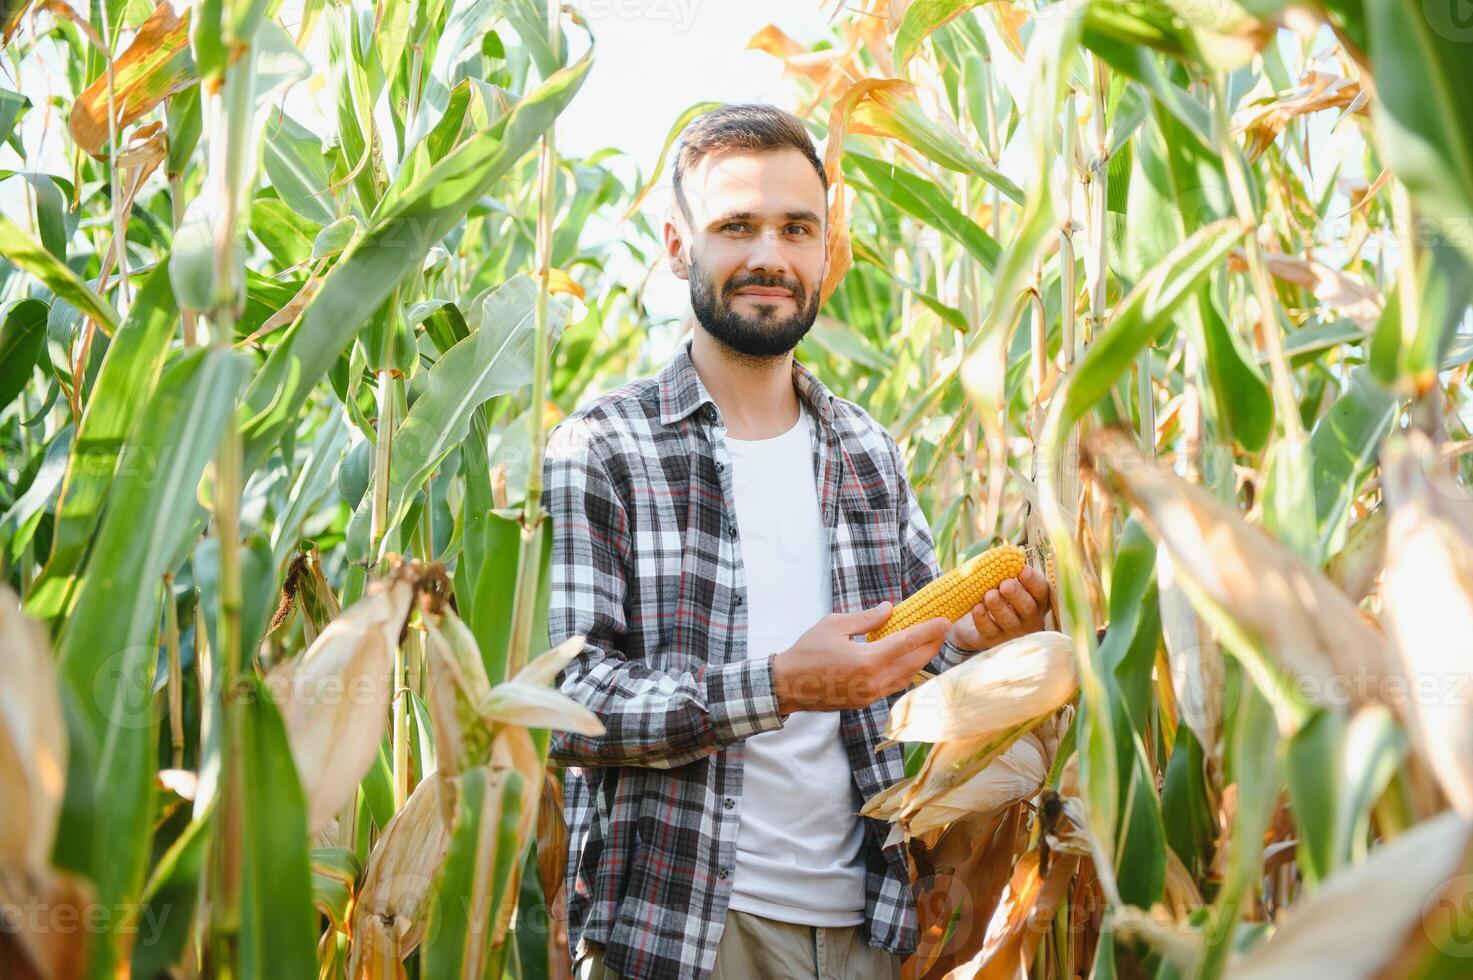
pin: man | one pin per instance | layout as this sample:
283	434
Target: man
721	531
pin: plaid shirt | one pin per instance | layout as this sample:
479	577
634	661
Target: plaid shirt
647	564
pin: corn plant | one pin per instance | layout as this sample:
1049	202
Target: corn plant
1172	294
1205	353
272	410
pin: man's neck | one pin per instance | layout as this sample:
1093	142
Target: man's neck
755	395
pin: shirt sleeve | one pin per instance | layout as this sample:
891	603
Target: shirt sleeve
654	718
918	556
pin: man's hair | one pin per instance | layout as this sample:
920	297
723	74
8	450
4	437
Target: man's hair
754	127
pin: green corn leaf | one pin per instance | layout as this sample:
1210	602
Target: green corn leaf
1419	54
22	339
480	869
278	924
124	383
1143	314
924	201
108	648
1343	446
493	360
23	251
408	221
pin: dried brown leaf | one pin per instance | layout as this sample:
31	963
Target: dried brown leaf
1239	577
33	741
389	915
336	699
1427	603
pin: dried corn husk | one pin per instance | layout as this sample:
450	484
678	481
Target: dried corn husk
1379	903
1198	673
1355	566
1427	601
1022	918
33	764
458	686
552	835
953	781
544	668
44	953
1021	680
390	912
1241	580
533	706
467	709
33	742
336	701
1017	774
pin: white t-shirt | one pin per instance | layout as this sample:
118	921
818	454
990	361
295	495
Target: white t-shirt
799	839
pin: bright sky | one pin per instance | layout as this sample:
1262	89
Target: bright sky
652	60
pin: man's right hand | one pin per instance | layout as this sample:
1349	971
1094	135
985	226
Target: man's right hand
827	671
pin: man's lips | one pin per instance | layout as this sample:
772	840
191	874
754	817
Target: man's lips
764	291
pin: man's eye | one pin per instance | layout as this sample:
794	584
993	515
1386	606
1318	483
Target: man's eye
802	229
733	224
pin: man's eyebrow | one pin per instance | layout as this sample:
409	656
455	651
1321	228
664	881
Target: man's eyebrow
798	215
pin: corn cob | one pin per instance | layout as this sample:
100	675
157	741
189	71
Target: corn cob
954	594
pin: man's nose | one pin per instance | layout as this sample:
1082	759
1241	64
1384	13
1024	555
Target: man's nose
767	255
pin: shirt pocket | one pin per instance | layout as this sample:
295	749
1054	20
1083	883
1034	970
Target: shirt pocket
867	557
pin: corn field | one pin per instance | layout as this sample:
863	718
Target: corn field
1173	293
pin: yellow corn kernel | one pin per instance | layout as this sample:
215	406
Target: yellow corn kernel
954	594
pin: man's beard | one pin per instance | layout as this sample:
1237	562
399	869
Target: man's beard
764	333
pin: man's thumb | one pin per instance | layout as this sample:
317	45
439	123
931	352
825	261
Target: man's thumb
865	619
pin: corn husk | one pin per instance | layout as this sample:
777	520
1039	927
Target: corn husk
969	777
1361	917
552	835
336	701
468	710
33	740
458	685
533	706
544	668
1198	672
1427	603
1244	583
1017	774
44	953
1021	919
1355	566
389	915
514	749
33	765
530	699
1018	681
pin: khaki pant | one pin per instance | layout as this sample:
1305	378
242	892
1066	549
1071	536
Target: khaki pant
756	948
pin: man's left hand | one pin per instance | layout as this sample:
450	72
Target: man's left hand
1011	610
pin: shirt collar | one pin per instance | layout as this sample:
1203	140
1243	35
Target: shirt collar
682	391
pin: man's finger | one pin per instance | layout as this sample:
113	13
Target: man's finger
863	620
987	627
1019	599
912	638
1037	585
1001	611
899	672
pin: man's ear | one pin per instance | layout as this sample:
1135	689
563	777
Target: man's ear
675	236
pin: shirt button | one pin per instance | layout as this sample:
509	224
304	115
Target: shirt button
728	803
722	872
731	530
736	600
710	413
720	466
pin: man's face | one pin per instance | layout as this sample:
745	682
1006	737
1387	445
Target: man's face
754	252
